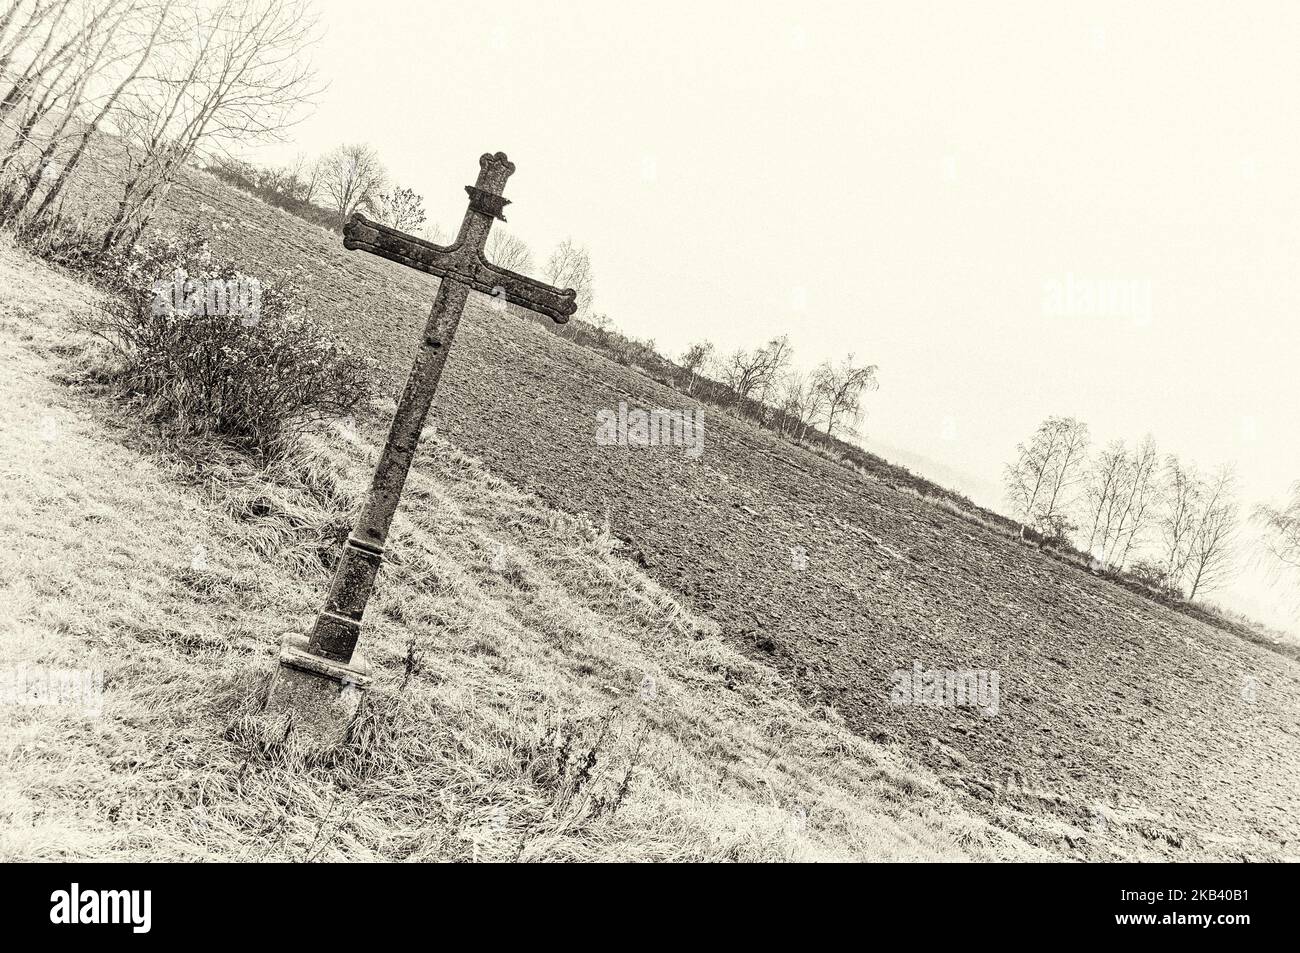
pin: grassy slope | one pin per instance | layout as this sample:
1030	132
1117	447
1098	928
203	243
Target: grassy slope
537	697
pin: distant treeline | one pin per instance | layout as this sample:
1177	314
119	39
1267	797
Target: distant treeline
269	186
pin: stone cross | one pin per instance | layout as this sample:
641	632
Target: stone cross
318	680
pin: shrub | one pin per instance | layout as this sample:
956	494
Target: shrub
1153	576
1055	529
74	243
213	351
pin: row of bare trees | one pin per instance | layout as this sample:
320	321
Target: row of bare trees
1130	508
764	384
349	178
171	81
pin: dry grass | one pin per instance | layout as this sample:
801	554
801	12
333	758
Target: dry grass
537	697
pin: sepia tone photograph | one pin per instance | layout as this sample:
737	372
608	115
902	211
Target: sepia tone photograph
662	433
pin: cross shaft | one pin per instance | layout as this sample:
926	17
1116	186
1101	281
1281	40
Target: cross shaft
462	268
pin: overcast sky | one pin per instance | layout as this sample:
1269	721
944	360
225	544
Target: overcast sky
922	185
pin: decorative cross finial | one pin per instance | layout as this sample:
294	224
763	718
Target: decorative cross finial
494	169
485	194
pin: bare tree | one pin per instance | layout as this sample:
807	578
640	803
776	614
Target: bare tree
841	390
352	178
20	23
400	207
1106	477
1067	472
293	177
752	375
1178	518
1280	539
21	19
746	373
1282	528
602	325
58	82
44	24
694	360
27	36
125	40
231	71
1139	500
1210	559
802	403
570	267
778	352
1038	484
509	251
144	53
1120	496
812	404
11	11
313	178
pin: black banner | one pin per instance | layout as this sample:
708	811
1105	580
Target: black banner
138	903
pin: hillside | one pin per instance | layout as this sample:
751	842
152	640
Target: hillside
1124	728
537	697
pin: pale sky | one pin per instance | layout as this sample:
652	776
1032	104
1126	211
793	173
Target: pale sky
900	180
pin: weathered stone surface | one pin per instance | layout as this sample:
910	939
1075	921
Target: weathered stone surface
312	700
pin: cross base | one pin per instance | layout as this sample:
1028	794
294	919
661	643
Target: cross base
312	700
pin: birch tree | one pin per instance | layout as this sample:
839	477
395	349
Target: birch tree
56	81
802	404
42	29
1210	558
1139	499
48	203
694	360
128	41
1106	476
1040	483
841	387
1178	518
1119	500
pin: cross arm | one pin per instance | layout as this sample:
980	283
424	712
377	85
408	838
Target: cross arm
527	292
453	261
410	250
